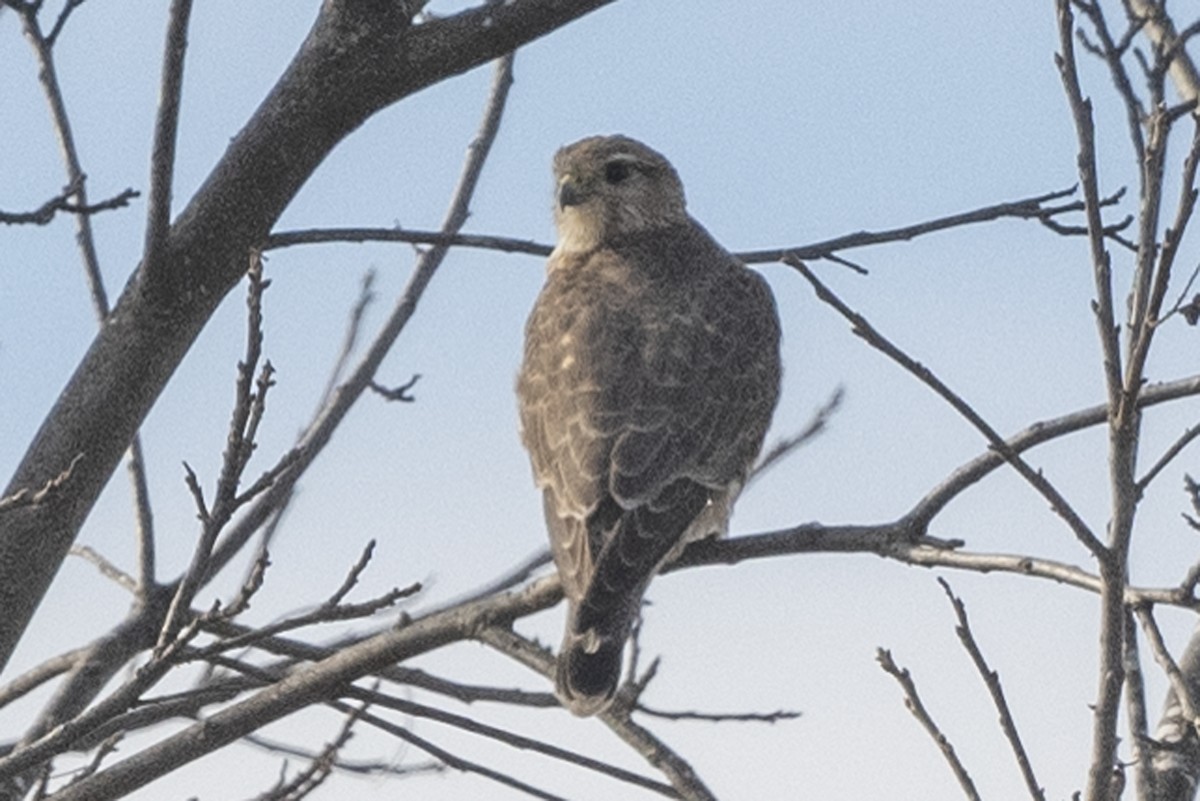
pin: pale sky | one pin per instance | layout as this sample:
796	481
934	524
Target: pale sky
789	123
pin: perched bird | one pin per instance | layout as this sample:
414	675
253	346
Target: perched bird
650	373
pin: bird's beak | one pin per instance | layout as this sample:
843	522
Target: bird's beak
570	192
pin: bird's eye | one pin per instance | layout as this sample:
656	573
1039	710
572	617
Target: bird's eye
616	171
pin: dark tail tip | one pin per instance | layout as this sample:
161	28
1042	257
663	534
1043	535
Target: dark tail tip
586	681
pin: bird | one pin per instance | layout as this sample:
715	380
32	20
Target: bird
650	374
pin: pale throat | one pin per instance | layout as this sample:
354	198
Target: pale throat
579	232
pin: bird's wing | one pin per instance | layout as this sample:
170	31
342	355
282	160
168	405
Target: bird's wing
711	367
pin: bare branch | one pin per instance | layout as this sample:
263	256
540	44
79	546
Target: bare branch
320	766
35	677
1135	705
248	409
1179	685
1036	207
1170	453
399	393
166	126
899	541
992	679
1034	477
327	612
511	578
912	700
1161	31
617	717
722	717
300	689
361	767
106	568
366	296
315	236
144	519
788	445
508	738
27	497
1036	434
106	748
454	761
306	114
1081	110
68	7
44	213
466	693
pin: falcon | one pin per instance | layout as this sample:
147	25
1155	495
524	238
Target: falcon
650	373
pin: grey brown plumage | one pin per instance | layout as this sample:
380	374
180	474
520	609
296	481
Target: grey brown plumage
650	373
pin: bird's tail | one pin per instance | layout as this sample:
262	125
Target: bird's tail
589	670
589	662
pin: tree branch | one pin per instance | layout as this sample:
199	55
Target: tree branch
912	701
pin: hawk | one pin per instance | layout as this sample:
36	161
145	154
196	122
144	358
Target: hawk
650	373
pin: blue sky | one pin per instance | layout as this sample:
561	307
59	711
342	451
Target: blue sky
789	123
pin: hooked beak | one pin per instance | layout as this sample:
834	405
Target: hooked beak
570	193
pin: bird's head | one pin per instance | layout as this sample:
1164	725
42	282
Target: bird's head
612	186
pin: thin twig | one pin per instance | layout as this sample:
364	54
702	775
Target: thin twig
1170	453
33	497
1081	110
326	613
453	760
1164	659
38	675
366	296
1035	434
682	776
1034	477
327	419
68	7
359	767
722	717
912	700
44	213
992	679
166	126
106	568
507	580
320	766
248	409
466	693
509	738
786	446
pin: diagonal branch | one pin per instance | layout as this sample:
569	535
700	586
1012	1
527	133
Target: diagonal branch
912	700
617	717
1034	477
992	680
